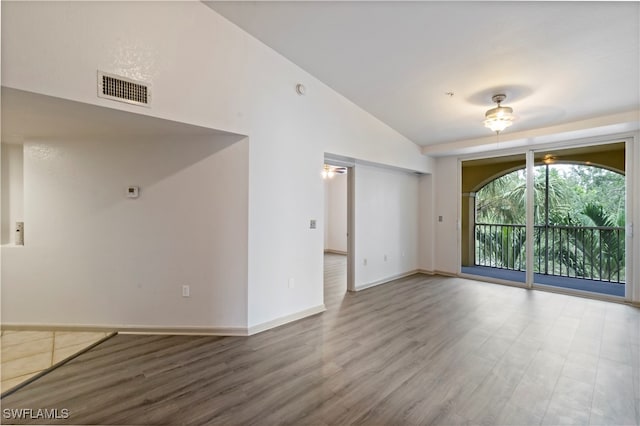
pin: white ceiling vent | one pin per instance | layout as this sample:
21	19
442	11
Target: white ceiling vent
123	89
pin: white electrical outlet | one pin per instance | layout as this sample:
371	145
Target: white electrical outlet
364	262
385	257
186	291
133	191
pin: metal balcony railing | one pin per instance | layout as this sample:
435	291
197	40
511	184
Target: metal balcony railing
592	253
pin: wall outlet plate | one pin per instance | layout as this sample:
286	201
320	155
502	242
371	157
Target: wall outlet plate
133	191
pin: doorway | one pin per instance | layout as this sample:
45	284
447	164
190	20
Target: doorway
338	208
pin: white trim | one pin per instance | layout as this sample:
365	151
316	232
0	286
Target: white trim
159	329
632	180
446	273
185	331
332	251
258	328
530	218
54	327
131	329
387	280
459	217
492	280
351	228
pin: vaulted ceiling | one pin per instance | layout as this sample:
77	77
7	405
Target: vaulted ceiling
557	62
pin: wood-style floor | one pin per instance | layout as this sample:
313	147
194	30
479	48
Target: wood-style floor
420	350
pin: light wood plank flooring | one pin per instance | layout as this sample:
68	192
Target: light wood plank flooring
420	350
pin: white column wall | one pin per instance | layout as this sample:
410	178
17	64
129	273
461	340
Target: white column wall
387	224
426	224
447	194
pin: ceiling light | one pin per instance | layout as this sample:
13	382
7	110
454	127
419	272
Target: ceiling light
500	117
328	172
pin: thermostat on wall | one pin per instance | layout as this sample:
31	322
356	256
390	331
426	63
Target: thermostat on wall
133	191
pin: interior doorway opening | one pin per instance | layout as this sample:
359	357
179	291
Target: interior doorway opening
338	202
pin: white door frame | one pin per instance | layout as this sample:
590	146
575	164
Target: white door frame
351	190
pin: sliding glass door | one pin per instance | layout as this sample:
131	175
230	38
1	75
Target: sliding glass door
573	235
579	219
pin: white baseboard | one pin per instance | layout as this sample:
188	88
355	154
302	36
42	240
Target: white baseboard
54	327
344	253
159	329
386	280
131	329
186	331
258	328
445	273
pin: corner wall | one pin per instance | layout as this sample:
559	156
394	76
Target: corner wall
92	256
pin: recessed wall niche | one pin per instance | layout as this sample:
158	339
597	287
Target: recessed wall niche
12	190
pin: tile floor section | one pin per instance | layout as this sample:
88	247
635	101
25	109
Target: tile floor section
27	353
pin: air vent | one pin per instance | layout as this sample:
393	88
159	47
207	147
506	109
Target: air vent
123	89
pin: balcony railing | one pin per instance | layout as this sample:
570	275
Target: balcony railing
592	253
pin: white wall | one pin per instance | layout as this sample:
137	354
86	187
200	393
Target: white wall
12	190
386	213
92	254
426	249
336	213
206	71
446	182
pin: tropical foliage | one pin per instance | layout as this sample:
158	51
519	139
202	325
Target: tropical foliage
580	233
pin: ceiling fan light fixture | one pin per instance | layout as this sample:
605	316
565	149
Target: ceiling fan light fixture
499	118
328	172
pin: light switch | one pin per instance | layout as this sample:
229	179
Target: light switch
312	224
